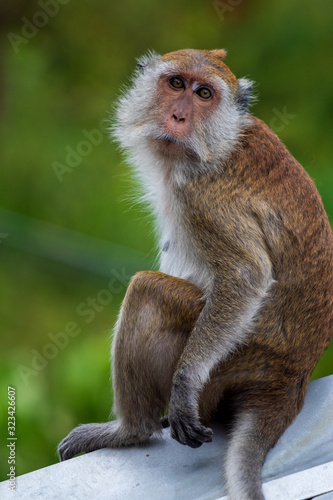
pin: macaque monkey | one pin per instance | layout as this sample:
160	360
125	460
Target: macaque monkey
236	319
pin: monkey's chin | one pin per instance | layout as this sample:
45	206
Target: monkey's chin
170	147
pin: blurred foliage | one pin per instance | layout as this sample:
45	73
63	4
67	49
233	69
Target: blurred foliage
57	83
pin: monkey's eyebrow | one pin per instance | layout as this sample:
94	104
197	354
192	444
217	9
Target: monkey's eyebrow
197	85
176	75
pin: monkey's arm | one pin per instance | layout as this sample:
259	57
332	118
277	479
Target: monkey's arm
223	325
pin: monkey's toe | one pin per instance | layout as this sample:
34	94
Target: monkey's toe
66	449
70	446
83	438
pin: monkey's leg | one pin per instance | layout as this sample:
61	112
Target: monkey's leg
157	316
258	425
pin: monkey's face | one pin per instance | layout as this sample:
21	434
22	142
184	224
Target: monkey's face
185	102
186	106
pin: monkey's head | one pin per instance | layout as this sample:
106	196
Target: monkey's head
185	105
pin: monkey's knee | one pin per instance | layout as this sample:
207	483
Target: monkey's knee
145	284
157	316
176	303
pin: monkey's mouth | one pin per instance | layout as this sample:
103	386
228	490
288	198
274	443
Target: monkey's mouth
169	139
171	147
168	145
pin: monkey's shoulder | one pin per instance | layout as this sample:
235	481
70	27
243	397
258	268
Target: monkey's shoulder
260	171
263	193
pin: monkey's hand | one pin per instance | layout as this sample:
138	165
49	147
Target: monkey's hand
184	422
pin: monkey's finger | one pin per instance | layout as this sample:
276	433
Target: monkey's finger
179	434
181	437
199	434
191	434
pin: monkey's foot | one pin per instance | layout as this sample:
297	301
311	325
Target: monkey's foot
90	437
187	430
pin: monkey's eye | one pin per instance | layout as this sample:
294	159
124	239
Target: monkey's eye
176	82
204	93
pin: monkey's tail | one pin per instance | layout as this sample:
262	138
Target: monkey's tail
244	460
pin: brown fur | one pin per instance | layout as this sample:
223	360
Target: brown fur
209	62
258	223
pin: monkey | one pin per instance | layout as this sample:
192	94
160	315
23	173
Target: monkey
241	309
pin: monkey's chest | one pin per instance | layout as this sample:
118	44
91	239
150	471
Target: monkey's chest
179	256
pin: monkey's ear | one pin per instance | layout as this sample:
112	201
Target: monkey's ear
244	93
220	53
147	59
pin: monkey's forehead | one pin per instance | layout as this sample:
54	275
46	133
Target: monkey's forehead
208	62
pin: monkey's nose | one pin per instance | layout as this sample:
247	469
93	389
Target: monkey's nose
177	123
178	118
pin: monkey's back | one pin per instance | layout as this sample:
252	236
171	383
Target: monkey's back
299	240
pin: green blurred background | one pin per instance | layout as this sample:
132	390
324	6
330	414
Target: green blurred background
70	236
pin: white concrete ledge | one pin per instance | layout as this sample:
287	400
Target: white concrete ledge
299	467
